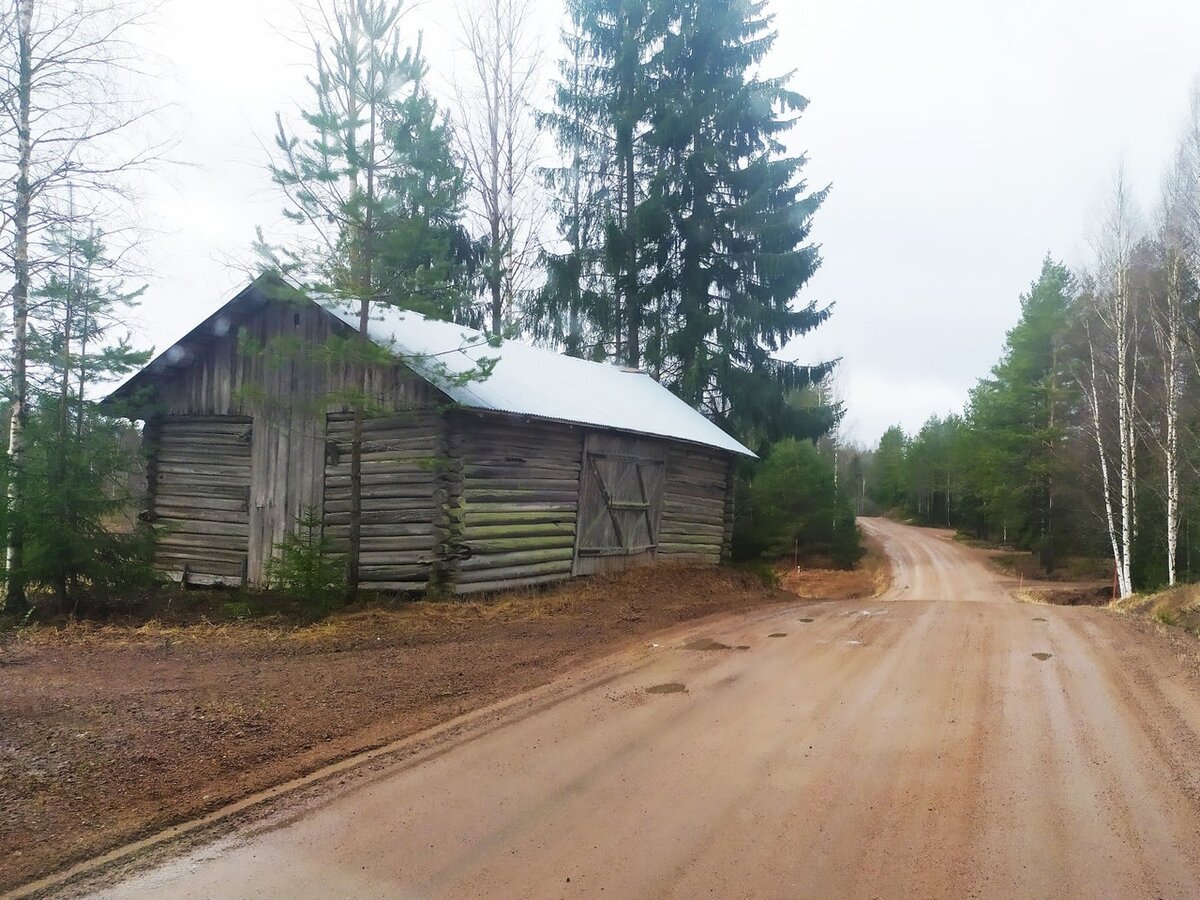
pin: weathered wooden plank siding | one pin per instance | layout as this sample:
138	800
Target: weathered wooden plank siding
199	496
620	502
288	395
404	496
695	516
514	523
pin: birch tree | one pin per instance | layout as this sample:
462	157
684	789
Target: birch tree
1169	323
1179	238
499	144
1112	372
1183	184
66	109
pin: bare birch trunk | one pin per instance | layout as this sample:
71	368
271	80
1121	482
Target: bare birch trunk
1114	311
1170	330
1125	429
1110	520
15	600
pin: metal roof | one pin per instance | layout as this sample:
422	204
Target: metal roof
526	380
533	381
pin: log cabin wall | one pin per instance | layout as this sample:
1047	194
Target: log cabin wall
199	496
464	500
404	496
287	396
697	513
514	501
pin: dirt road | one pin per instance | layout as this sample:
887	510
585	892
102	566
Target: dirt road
943	741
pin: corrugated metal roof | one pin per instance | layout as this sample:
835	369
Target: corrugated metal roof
533	381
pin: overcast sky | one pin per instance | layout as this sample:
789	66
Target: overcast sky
964	140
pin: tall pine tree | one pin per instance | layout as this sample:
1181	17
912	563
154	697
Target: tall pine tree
372	184
1020	416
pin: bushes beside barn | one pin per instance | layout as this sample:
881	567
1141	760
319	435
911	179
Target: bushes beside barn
789	503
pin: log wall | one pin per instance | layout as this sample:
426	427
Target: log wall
467	501
288	395
697	517
403	497
517	491
199	497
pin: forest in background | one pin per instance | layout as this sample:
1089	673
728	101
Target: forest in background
651	216
1084	439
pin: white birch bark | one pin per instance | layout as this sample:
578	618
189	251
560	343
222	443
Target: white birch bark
1171	365
1168	333
1180	237
1093	398
1114	311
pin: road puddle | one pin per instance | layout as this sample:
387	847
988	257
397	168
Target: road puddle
777	634
806	621
671	687
706	644
1039	619
1042	656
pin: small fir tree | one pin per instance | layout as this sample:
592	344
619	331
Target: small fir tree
304	567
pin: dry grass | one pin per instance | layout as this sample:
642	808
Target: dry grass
1177	607
374	620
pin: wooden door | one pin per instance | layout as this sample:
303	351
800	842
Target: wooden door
201	497
620	502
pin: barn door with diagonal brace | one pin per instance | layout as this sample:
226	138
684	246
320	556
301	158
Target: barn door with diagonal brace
620	502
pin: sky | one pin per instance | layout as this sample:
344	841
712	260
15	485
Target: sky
963	141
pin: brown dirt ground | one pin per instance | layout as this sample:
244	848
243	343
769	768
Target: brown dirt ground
938	741
1072	569
1078	581
110	732
814	581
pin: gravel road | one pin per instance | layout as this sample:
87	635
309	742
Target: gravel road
943	740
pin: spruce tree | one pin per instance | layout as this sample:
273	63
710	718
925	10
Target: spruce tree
734	217
602	113
76	473
574	309
706	214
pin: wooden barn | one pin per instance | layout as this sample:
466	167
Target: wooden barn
548	468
